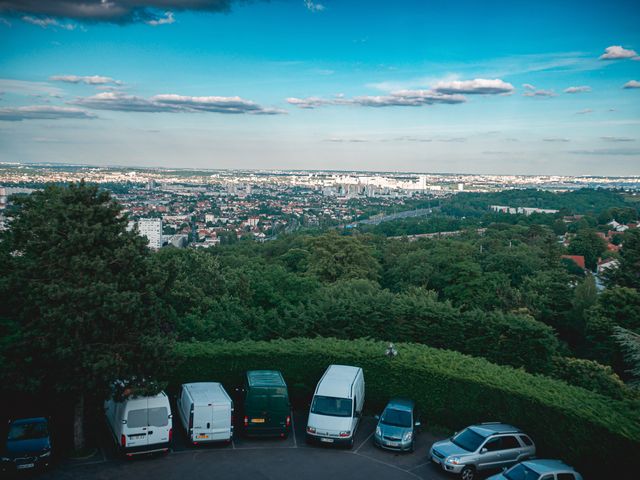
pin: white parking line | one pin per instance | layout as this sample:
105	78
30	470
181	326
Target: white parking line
421	465
97	462
365	441
387	464
293	429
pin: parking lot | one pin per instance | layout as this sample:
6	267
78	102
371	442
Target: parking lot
260	458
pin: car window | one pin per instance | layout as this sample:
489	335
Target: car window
522	472
526	440
396	418
546	477
137	418
493	444
336	407
28	431
565	476
468	439
158	417
510	442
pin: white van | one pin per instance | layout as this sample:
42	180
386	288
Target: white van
206	412
336	407
140	424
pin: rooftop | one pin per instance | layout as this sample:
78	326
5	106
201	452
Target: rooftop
487	429
265	378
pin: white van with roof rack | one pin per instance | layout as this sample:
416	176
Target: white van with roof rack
336	407
140	424
206	412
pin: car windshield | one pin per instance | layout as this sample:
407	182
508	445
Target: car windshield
468	439
28	431
335	407
396	418
521	472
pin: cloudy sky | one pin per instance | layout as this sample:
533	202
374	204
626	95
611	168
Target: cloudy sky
429	86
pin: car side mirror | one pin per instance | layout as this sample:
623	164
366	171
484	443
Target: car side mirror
418	424
377	417
124	422
484	450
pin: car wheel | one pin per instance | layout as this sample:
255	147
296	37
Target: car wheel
468	473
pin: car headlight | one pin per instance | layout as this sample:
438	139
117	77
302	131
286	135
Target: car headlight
5	459
407	437
453	460
45	454
311	429
378	432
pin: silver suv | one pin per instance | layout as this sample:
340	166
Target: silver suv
481	447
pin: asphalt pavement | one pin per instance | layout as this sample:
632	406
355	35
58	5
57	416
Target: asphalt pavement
259	458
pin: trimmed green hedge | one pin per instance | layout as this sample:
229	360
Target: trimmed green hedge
594	433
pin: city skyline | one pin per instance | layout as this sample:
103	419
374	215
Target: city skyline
420	87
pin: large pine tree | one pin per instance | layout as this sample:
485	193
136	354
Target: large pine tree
82	295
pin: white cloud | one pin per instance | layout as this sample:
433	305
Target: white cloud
171	103
166	20
313	6
617	52
309	102
580	89
556	140
480	86
532	91
632	84
27	88
584	112
617	139
41	112
88	80
400	98
46	22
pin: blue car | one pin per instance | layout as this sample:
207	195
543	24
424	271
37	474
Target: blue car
28	445
397	426
539	470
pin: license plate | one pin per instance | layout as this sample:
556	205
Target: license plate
203	436
138	436
393	444
327	440
257	420
25	466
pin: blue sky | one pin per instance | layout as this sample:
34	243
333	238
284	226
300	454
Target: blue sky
427	86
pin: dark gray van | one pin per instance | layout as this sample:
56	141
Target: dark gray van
265	404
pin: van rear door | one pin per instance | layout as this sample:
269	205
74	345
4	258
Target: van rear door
202	420
135	429
221	421
158	424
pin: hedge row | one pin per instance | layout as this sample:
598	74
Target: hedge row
596	434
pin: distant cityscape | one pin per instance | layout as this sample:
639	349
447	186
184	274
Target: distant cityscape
203	208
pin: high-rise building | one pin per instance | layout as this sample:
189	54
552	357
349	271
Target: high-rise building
152	229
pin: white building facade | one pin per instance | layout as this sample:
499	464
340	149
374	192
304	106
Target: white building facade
152	229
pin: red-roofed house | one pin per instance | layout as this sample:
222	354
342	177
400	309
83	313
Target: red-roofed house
578	259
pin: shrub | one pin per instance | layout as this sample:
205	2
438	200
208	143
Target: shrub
594	433
589	375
